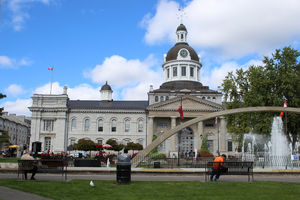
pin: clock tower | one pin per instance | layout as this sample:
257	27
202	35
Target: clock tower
181	62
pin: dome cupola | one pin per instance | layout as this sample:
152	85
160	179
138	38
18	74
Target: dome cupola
181	62
106	92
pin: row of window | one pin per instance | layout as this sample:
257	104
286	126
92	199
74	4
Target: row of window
101	141
183	71
49	125
113	125
166	98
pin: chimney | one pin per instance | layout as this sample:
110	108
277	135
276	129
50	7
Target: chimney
65	90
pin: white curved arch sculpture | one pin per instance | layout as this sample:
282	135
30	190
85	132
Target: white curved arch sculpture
141	155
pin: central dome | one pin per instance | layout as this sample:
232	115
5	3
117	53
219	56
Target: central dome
173	52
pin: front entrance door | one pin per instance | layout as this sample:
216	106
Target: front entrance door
186	142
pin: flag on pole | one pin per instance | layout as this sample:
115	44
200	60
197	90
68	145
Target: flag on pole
50	68
284	105
180	112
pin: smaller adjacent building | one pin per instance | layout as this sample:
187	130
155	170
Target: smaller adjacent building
18	128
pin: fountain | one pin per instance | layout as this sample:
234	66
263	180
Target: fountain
271	152
280	145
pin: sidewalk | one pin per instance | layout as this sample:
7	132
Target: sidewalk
9	194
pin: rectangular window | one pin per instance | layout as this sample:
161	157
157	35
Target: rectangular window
48	125
192	71
100	125
86	124
168	73
140	126
113	126
174	71
229	145
100	142
183	71
127	126
72	142
210	144
73	126
47	143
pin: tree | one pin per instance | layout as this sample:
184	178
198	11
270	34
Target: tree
1	97
85	145
115	145
265	85
134	146
4	137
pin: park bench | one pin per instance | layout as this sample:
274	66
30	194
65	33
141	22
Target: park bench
233	168
57	166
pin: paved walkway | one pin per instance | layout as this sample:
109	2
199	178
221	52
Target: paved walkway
12	194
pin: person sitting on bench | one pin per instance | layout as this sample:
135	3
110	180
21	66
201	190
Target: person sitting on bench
218	167
27	156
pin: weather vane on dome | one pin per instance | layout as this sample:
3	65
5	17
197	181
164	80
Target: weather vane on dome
180	15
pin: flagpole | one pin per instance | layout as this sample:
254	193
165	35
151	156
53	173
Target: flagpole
51	79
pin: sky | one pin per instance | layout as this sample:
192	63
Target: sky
89	42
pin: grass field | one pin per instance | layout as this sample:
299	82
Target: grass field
158	190
9	160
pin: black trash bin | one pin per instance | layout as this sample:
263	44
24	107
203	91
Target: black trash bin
123	169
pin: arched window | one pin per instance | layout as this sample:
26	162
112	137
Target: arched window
113	125
167	98
161	98
86	124
140	126
126	141
156	98
73	124
100	125
127	125
140	141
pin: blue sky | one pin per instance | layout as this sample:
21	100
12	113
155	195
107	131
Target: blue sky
123	42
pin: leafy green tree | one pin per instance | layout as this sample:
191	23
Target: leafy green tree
134	146
85	145
1	97
266	85
115	145
4	137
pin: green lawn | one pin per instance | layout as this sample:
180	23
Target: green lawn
138	190
9	160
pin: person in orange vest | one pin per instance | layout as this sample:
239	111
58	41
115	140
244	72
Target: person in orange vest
218	167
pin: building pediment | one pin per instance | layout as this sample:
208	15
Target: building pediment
189	103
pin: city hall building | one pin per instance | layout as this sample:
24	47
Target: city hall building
58	122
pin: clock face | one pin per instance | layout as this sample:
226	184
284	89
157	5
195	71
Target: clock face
183	53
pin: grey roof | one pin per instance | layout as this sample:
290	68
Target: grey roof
103	105
194	86
181	27
173	52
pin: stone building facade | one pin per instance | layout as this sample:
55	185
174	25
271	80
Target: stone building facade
58	121
18	128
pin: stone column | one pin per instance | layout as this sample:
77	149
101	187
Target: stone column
150	130
173	139
198	135
222	135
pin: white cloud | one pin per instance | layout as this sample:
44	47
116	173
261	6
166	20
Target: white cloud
19	11
82	92
217	75
234	28
132	75
7	62
19	107
14	90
